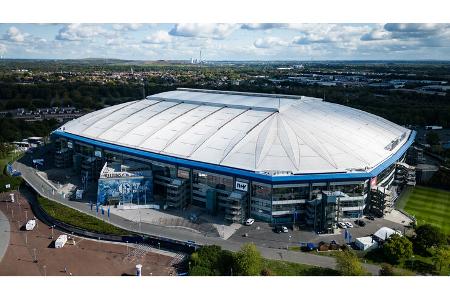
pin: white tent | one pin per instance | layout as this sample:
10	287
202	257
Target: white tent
385	232
366	243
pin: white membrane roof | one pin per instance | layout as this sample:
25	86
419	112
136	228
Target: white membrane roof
275	134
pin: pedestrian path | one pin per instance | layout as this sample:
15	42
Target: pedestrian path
4	234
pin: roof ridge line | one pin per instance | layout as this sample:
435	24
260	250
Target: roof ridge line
284	96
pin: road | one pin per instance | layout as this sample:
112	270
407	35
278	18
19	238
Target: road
46	190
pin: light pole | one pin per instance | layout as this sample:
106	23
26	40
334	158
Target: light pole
159	245
52	231
35	256
26	238
412	262
287	247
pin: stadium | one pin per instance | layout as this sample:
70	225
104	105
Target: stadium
277	158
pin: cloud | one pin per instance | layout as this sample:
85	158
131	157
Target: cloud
263	26
13	34
203	30
269	42
415	30
307	39
127	26
3	49
159	37
78	32
376	35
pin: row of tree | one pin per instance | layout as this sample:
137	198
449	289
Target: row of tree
16	130
213	261
429	241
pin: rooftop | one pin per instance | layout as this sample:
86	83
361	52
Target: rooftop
264	133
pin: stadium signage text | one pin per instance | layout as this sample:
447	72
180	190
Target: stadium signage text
241	186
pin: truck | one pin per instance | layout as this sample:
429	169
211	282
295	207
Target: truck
61	241
30	225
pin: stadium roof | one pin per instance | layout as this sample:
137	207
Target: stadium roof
265	133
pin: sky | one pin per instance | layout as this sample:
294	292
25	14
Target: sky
227	41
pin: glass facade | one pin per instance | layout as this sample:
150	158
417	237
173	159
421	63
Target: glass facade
237	198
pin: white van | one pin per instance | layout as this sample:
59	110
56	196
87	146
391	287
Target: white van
61	241
30	225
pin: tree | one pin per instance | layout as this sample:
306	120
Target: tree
248	261
397	248
387	270
348	264
208	260
428	236
441	257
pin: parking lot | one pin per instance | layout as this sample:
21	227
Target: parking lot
263	234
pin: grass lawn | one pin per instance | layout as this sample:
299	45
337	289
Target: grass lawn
428	205
75	218
5	160
283	268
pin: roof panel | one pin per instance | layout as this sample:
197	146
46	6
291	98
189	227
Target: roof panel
258	132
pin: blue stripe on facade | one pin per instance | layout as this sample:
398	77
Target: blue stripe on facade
356	176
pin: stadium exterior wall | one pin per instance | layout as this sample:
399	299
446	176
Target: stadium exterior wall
312	200
243	173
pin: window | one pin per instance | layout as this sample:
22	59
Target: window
262	191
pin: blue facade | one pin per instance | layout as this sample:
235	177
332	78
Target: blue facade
356	176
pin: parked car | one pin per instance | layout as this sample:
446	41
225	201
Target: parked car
249	222
284	229
30	225
371	218
360	222
342	225
349	225
278	229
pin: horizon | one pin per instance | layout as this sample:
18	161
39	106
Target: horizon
216	42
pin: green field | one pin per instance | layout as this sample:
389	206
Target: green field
428	205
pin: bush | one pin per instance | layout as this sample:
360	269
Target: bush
397	248
387	270
213	259
428	236
348	264
266	272
248	261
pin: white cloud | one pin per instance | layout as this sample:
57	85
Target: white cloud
269	42
3	49
127	26
203	30
263	26
376	35
13	34
159	37
78	32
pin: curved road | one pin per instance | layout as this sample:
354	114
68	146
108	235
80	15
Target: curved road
4	234
45	189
